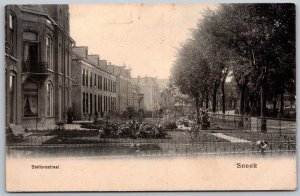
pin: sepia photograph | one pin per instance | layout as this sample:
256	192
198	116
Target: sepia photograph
180	95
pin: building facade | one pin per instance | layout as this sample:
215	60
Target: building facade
37	64
95	88
138	97
124	88
166	99
150	90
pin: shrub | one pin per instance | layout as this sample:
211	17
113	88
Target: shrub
129	129
70	115
170	125
60	125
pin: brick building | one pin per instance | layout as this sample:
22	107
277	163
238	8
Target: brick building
95	87
37	64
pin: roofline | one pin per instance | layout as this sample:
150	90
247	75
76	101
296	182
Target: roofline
93	64
47	16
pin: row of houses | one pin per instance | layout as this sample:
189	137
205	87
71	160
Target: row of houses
47	74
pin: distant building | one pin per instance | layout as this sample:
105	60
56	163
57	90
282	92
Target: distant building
124	88
162	83
95	89
150	90
138	97
167	100
37	64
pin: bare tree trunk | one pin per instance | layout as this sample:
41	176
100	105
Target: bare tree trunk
275	106
281	103
201	100
214	99
206	100
263	109
223	96
242	101
197	109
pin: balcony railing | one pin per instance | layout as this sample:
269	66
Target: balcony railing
34	67
35	71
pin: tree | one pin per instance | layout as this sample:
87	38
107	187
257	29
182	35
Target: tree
254	42
259	44
189	72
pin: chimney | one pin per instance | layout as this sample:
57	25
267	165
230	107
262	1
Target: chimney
94	58
81	51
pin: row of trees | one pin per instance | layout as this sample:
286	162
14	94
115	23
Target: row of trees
254	43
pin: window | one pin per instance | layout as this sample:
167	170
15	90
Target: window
91	79
68	97
12	97
30	101
91	103
83	103
83	76
109	103
111	86
11	21
86	103
49	99
61	58
109	81
101	109
61	18
105	103
99	103
49	53
95	102
67	61
104	82
107	84
95	81
30	52
13	35
87	78
100	82
66	57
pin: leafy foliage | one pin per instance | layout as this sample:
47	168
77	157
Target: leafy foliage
254	42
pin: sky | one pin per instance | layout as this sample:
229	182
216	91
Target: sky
144	37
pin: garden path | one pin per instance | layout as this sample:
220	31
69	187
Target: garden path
229	138
74	126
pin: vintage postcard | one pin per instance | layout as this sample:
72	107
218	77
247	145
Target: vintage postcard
150	97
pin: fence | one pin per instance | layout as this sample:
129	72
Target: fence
237	135
235	122
248	123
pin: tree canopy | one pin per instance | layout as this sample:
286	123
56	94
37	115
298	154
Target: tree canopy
254	42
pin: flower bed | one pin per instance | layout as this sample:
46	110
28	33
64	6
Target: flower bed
129	129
